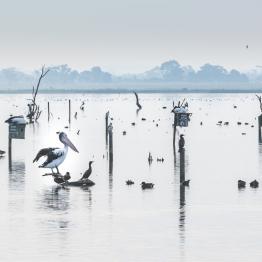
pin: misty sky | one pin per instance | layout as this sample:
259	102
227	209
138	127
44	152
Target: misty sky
125	36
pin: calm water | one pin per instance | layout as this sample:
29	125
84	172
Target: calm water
114	222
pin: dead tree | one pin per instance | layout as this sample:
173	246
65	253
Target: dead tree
33	109
137	101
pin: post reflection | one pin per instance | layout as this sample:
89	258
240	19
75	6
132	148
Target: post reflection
16	174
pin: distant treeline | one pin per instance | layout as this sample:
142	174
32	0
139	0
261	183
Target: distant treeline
63	77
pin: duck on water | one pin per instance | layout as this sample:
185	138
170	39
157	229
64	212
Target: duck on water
55	156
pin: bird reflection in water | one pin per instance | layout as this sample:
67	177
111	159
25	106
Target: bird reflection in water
56	198
88	196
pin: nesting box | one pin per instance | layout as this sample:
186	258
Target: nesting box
183	119
16	127
17	131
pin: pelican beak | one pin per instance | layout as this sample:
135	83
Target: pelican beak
70	144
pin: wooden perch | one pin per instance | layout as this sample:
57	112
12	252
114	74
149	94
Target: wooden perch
137	101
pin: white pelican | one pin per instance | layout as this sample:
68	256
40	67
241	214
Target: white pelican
55	156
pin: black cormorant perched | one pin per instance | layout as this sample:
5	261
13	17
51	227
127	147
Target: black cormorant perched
181	142
88	172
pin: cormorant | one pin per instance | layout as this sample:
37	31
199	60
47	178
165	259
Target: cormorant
181	143
88	172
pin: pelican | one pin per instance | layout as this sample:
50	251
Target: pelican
55	156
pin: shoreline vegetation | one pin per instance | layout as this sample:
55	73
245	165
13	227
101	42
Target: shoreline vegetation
145	88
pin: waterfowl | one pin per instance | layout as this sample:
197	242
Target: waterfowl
145	185
55	156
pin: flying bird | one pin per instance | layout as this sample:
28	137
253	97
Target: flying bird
55	156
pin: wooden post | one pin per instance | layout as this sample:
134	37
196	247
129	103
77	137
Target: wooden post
48	111
106	119
10	153
69	116
174	132
110	135
182	165
259	128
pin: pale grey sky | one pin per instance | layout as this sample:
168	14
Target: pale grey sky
125	36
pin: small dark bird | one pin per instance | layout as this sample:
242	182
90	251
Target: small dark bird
243	134
78	132
226	123
235	106
2	153
246	46
145	185
181	143
88	172
246	124
164	107
254	184
201	123
252	126
133	124
82	107
130	182
241	184
124	133
59	179
143	119
66	127
67	176
186	183
239	123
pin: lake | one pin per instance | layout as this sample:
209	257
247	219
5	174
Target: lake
40	221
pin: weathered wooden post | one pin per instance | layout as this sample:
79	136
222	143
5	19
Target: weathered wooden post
259	119
182	165
16	130
48	111
106	127
69	112
110	135
259	128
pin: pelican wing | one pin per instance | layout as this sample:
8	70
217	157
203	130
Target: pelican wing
44	152
52	155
